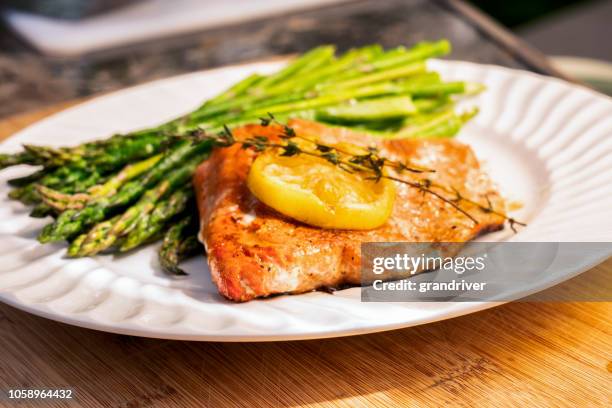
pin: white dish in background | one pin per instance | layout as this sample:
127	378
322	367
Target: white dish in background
546	143
142	21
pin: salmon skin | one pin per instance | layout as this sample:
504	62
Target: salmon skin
254	251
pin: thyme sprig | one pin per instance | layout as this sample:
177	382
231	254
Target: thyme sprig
370	163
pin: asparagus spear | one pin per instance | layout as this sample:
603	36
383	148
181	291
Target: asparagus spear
134	150
149	227
61	201
439	123
382	76
37	155
369	110
75	249
83	183
108	153
179	243
48	154
236	90
42	210
448	128
317	55
64	178
439	89
129	172
429	105
8	160
75	245
29	179
418	52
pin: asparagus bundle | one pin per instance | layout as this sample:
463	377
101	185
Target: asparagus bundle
129	190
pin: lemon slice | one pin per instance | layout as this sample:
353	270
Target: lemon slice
316	192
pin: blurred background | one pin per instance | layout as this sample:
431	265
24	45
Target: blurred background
59	50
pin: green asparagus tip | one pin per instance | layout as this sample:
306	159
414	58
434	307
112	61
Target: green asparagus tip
445	46
173	269
47	235
469	114
474	88
41	211
16	193
5	160
441	47
75	247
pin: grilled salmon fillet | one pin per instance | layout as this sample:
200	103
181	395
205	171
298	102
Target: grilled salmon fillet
254	251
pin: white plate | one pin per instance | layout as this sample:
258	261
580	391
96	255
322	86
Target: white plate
546	143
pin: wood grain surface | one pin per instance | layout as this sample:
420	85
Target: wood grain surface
519	354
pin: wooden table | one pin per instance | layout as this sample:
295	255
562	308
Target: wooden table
529	354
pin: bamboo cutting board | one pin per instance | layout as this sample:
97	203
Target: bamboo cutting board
520	354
